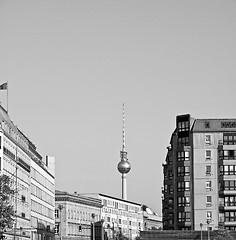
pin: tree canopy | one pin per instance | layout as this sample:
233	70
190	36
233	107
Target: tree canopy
223	234
7	191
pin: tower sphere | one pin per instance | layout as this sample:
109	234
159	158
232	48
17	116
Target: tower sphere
123	166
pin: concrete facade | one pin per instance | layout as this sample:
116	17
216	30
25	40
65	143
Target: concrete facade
33	179
199	189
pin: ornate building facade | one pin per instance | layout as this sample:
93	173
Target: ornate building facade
75	214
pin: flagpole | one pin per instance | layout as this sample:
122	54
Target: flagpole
7	97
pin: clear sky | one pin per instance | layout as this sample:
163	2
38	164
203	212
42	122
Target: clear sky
71	64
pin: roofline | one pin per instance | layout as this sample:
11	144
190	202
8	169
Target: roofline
100	194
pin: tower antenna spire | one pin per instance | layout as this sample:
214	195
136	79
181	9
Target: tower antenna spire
123	128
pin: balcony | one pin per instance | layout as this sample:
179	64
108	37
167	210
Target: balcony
229	224
230	208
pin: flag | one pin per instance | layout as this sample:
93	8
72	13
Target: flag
3	86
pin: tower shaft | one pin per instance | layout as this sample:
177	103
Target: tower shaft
123	166
124	186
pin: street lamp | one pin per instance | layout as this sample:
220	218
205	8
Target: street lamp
201	229
60	207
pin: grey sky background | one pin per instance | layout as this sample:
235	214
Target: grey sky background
71	64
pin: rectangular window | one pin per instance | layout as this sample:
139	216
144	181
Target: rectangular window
183	201
183	156
230	201
170	174
187	186
180	171
231	170
208	139
183	186
183	141
209	215
183	126
180	186
229	138
56	213
208	201
56	229
229	185
208	185
208	170
230	216
208	154
187	171
229	154
183	171
170	203
228	170
183	216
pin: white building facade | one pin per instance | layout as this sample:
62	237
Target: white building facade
121	217
33	179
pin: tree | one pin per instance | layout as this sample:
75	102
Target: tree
7	212
223	234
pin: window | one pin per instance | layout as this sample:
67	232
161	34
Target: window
183	186
183	126
228	170
165	188
221	170
171	189
230	216
56	229
187	186
183	156
229	185
183	201
170	174
208	139
56	213
209	215
208	185
230	200
183	141
229	138
183	171
229	154
23	198
208	201
183	216
170	203
208	154
207	124
208	170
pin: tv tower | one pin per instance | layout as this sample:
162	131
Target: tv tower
123	166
